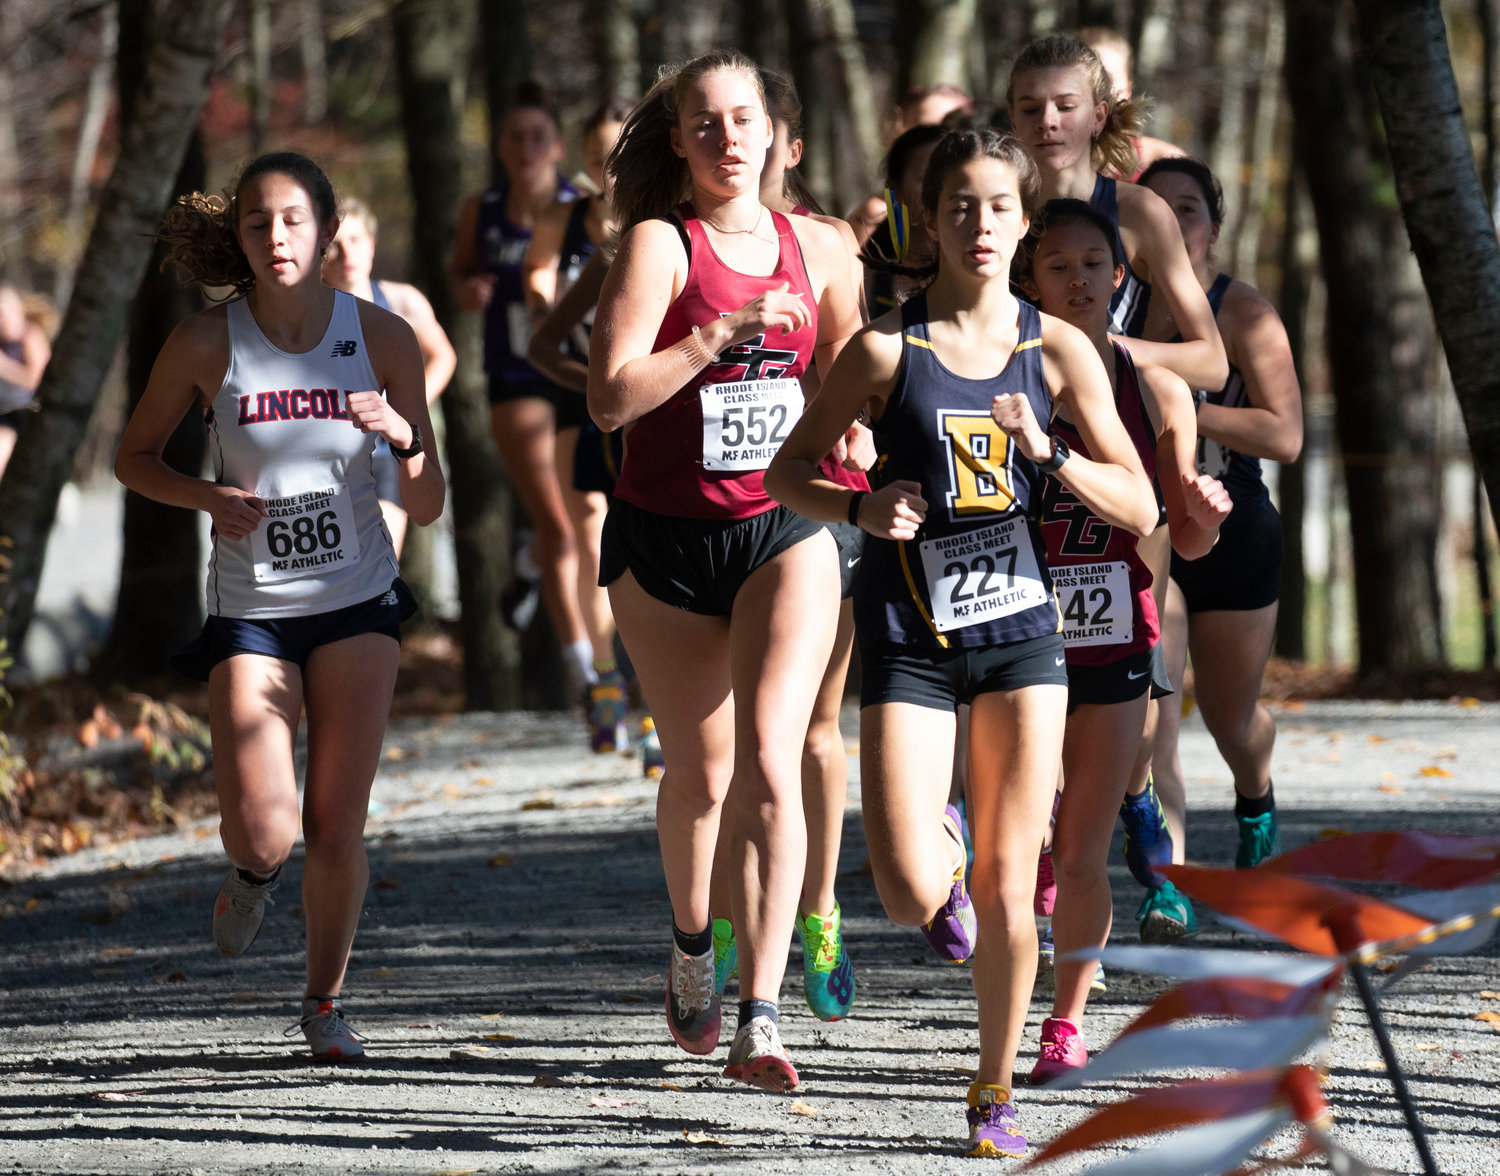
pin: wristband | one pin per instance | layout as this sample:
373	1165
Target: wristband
1054	463
854	500
1200	397
708	356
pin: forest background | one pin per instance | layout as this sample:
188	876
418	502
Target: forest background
1356	143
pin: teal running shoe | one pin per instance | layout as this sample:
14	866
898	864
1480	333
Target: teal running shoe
827	972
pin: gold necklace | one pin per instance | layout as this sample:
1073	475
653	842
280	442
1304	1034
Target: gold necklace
751	231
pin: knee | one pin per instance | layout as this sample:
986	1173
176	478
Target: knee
261	842
693	791
335	843
1002	898
904	904
1076	871
553	542
770	777
824	745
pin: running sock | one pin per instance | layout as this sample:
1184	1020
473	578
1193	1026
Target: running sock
257	879
580	656
608	666
1140	799
696	944
1255	806
750	1009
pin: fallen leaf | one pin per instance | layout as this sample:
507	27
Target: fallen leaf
1332	832
1387	775
470	765
1488	995
1426	1046
801	1108
1435	770
547	1080
700	1137
500	859
632	998
1294	707
425	1025
1469	703
541	801
1393	789
1489	1017
177	978
453	1171
118	951
483	782
382	973
600	1100
669	1086
498	1036
490	1016
1376	738
453	792
395	753
388	884
112	1095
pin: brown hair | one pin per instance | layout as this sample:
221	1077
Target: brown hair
953	151
784	105
199	229
1113	151
614	109
357	208
650	178
1197	171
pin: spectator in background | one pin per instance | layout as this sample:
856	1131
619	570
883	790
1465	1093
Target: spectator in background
24	352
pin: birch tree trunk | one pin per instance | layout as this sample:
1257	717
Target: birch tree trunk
431	52
858	93
95	108
619	49
939	46
314	50
1385	413
188	35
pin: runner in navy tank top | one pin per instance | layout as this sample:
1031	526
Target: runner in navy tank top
1109	614
526	410
1222	608
954	602
347	266
1079	132
726	601
306	606
566	237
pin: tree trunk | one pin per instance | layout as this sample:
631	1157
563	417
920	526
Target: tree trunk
858	95
1490	48
1291	616
160	604
805	42
619	49
188	36
507	61
12	259
940	50
260	74
95	110
430	57
314	49
1245	246
1384	416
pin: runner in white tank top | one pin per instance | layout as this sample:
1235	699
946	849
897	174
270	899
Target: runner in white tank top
304	598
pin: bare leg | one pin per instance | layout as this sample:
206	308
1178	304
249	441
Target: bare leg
1236	646
682	660
1096	762
1166	764
1015	741
525	431
1156	551
782	631
586	511
349	686
825	775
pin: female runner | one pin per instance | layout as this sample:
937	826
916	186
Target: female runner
727	602
1110	622
1222	609
304	599
566	236
526	411
347	266
1079	133
953	602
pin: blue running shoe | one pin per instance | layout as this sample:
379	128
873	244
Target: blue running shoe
1148	840
827	972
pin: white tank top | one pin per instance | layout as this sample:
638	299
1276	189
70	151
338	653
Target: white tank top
279	428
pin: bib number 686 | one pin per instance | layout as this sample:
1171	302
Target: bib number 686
304	534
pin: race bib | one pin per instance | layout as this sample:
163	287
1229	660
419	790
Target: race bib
305	535
1098	605
982	575
518	328
745	424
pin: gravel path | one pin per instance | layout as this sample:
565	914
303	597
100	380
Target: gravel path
508	975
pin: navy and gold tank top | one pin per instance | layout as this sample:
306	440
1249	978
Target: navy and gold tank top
1127	306
976	574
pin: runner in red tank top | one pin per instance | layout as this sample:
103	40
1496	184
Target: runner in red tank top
726	601
1104	589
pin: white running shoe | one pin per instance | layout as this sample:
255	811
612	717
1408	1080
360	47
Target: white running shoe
238	911
693	1015
326	1030
757	1056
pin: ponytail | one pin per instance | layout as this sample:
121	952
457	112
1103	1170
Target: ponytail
1114	148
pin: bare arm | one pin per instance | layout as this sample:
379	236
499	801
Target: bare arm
1113	485
627	379
543	254
1196	504
864	374
438	357
1271	426
35	354
546	352
470	286
191	364
397	362
1157	254
831	268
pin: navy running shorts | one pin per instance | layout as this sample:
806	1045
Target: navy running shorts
294	638
597	459
943	681
1243	571
851	541
695	564
1116	681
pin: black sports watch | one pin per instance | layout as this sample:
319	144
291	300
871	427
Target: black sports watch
1060	454
411	450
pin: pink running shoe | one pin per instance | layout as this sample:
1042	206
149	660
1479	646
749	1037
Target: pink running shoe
1062	1051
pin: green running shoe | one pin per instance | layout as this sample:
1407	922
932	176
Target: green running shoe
1259	840
1165	915
726	954
827	973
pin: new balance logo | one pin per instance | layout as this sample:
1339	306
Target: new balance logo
390	599
344	348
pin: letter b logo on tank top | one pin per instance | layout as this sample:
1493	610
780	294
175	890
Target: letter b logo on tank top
979	456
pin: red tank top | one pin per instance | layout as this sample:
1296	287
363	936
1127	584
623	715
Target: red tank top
702	453
1103	588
